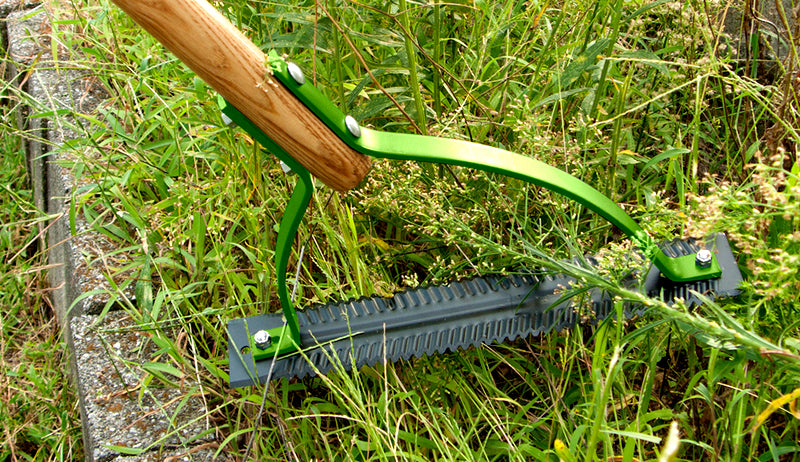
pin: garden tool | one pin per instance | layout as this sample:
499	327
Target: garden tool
271	100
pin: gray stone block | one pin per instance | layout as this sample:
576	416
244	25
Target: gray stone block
22	36
763	23
77	258
121	405
202	453
125	406
9	6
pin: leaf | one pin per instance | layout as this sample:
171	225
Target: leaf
416	440
199	238
776	404
702	391
628	157
648	58
791	180
358	89
374	108
634	435
125	450
159	369
215	370
668	154
645	9
559	96
144	288
580	64
669	452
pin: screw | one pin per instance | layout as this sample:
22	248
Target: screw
262	339
296	73
704	258
286	169
227	120
352	126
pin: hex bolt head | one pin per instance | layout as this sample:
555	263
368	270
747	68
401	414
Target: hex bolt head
262	339
352	126
296	73
704	258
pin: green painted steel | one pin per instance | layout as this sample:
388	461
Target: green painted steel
292	216
466	154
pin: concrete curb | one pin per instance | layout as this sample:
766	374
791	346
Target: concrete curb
166	419
119	413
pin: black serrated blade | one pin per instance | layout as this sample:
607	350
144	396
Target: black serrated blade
445	318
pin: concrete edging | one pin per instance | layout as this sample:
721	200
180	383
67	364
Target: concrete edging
119	416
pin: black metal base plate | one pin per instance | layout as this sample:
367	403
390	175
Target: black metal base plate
461	314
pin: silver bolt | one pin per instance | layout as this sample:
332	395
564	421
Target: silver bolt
286	169
352	126
296	73
227	120
262	339
704	258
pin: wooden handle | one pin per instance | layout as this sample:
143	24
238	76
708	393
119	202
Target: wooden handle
230	63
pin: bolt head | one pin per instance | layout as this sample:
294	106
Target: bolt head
296	73
704	258
352	126
227	120
262	339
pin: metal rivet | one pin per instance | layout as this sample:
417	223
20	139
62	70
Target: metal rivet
227	120
296	73
352	126
262	339
704	258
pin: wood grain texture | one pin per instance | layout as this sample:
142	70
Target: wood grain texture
198	34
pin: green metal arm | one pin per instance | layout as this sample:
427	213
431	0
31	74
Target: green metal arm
439	150
463	153
292	216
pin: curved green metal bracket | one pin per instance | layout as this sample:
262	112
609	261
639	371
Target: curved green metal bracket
292	216
466	154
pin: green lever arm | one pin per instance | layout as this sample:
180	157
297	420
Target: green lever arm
466	154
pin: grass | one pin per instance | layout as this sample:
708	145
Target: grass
642	100
38	416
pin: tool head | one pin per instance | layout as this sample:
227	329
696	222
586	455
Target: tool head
455	316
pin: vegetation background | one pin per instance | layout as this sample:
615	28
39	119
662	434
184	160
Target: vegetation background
650	102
